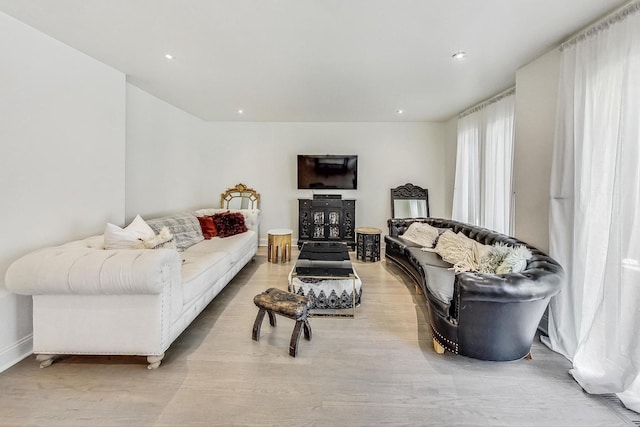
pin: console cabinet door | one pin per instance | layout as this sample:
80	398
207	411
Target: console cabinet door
304	219
326	219
349	221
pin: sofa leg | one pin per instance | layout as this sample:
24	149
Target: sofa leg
46	359
529	356
437	347
154	361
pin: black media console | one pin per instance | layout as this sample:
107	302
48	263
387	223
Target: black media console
327	217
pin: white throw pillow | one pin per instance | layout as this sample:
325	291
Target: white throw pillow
128	237
422	234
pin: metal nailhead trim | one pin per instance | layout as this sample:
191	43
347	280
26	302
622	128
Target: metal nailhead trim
451	343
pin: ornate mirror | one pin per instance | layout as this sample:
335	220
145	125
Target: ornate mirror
409	201
240	197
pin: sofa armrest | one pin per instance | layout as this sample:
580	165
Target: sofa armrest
529	285
77	269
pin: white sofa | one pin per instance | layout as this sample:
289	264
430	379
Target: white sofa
88	300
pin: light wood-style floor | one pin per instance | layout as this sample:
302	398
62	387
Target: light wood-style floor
376	369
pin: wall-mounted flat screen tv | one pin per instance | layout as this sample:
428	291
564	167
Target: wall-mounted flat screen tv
334	172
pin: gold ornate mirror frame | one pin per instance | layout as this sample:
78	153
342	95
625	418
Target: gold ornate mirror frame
240	197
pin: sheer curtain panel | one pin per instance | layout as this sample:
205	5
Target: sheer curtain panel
484	161
498	163
466	191
595	208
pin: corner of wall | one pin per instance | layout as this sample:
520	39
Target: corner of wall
536	97
451	142
18	341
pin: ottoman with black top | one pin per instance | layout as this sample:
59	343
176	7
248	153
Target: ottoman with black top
275	301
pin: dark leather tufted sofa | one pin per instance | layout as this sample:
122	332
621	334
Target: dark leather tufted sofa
489	316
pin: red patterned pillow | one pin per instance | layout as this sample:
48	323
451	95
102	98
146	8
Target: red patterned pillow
209	229
229	223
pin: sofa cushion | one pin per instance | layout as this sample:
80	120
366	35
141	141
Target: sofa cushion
439	273
200	270
209	229
229	223
236	246
185	228
251	216
129	237
440	282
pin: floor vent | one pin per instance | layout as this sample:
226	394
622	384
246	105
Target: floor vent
628	416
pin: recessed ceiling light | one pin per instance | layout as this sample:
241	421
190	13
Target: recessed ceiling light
241	111
459	55
168	56
400	111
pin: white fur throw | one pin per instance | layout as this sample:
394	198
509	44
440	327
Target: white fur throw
503	259
490	262
515	261
422	234
163	240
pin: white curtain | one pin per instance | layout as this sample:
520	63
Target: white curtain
466	191
482	190
595	208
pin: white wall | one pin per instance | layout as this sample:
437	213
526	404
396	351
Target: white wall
176	161
536	92
163	160
61	157
263	156
450	147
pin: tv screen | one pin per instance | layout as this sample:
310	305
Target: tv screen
327	172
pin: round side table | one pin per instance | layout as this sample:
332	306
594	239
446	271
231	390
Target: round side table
368	243
279	242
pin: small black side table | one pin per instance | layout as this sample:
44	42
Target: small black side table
368	243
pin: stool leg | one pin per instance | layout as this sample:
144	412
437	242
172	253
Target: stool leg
295	337
272	318
257	324
307	329
269	247
287	251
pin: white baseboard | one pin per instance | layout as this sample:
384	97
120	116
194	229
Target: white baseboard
15	353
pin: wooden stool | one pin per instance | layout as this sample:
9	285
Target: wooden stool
275	301
368	243
279	241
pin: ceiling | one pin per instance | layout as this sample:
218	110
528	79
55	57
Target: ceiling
314	60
